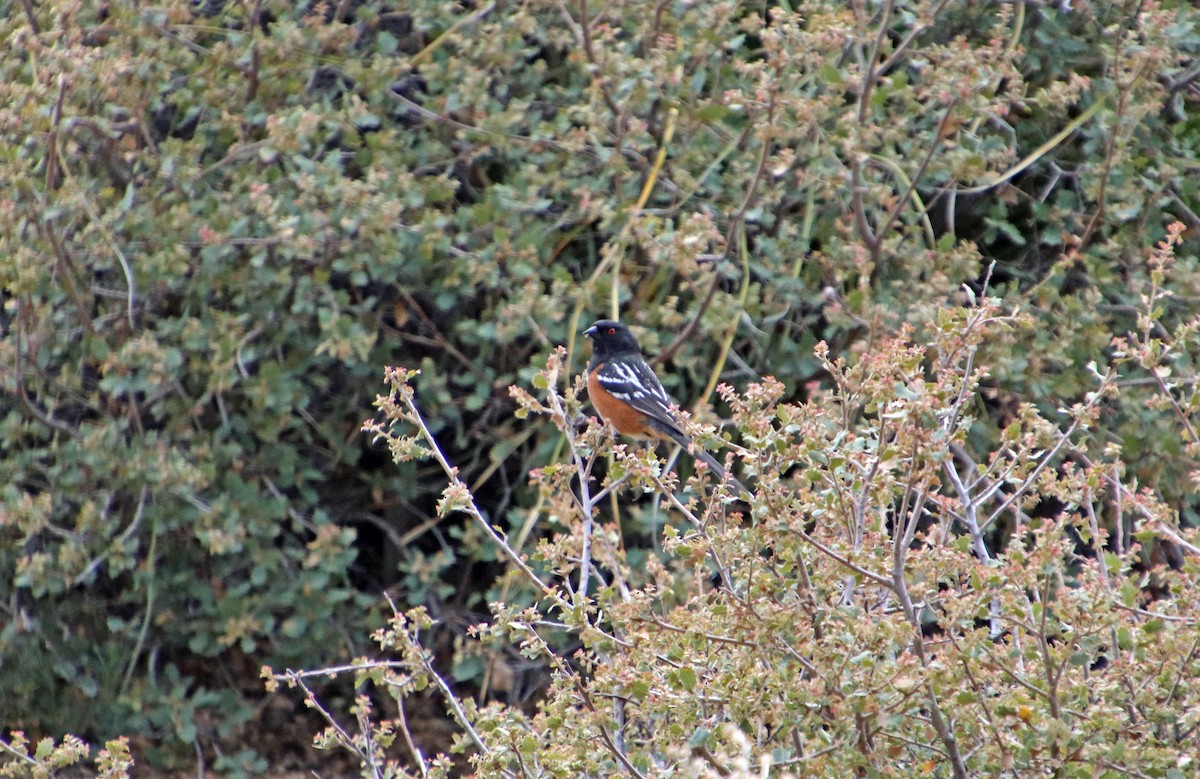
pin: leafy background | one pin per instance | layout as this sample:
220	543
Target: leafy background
223	219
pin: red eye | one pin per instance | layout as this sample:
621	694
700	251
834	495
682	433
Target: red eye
612	331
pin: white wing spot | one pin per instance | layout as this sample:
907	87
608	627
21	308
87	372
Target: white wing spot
628	378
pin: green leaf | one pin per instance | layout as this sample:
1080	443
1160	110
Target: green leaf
711	112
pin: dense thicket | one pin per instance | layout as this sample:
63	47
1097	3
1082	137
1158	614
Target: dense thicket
221	220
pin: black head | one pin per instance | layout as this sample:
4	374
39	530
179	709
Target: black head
610	337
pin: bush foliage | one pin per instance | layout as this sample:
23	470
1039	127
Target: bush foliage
223	218
884	604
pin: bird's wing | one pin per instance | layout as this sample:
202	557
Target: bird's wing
635	383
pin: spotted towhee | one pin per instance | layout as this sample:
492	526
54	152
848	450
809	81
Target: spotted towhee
628	395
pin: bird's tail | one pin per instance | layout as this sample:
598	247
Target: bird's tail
717	468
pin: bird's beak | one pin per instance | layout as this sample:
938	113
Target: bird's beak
590	332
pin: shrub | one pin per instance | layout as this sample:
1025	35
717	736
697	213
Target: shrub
222	218
887	603
48	758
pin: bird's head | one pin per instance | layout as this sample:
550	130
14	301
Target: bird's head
610	337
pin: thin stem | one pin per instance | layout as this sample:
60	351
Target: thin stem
944	730
469	506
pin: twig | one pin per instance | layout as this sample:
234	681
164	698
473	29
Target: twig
33	25
722	567
643	197
440	340
900	588
1155	615
586	697
52	141
685	335
585	33
369	748
1063	438
408	740
468	504
437	42
17	753
124	537
19	377
737	224
151	590
902	47
310	699
916	177
586	503
981	694
109	238
67	271
882	581
1040	151
1179	412
460	714
255	65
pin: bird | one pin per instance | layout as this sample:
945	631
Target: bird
628	395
